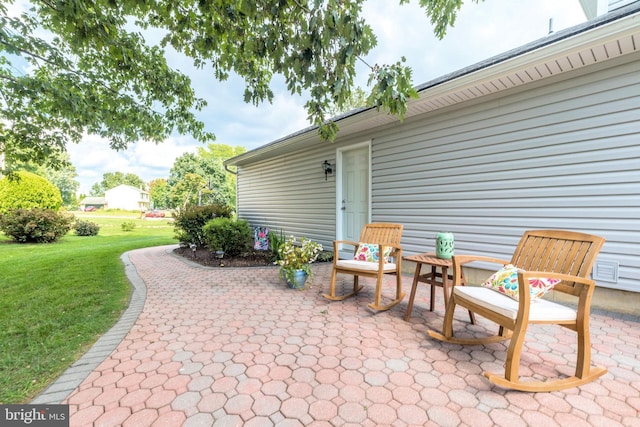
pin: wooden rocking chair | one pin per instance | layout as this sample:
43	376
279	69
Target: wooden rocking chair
564	255
386	238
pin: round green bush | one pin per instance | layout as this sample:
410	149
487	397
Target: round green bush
128	226
86	228
25	190
233	237
190	221
35	225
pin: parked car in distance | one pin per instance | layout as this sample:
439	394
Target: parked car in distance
154	214
90	209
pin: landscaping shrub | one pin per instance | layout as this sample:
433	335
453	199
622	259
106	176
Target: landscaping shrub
86	228
276	240
128	226
233	237
35	225
25	190
325	256
190	221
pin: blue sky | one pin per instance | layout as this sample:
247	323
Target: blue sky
481	31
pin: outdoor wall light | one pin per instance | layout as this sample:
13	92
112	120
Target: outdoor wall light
326	167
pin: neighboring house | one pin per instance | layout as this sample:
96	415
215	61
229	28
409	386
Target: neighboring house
92	203
543	136
127	198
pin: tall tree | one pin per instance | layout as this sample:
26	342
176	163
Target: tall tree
187	163
222	152
113	179
211	187
89	68
159	193
65	179
188	190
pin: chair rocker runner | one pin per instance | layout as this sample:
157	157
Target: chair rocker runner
384	240
550	254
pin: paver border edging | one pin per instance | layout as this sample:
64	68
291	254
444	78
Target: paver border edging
61	388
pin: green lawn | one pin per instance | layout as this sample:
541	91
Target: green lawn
57	299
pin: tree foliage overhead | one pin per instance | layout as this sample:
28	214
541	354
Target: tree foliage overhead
87	73
90	69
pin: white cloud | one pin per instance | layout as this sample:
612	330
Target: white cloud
481	31
93	157
160	156
252	126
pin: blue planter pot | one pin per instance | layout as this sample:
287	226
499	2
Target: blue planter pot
296	281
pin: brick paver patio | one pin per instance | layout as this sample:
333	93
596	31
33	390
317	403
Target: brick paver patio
232	347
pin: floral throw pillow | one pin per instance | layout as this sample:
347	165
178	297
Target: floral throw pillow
369	252
505	281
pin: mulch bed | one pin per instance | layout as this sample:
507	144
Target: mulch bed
205	257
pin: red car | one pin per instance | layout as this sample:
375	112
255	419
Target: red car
154	214
90	209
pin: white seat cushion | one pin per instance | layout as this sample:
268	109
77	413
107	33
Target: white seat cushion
353	264
540	310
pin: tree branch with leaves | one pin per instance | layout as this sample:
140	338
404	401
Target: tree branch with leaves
69	68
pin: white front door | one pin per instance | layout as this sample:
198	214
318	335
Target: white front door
354	195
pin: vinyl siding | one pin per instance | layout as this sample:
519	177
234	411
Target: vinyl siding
561	154
289	193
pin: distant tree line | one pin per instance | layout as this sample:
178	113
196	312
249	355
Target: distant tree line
195	178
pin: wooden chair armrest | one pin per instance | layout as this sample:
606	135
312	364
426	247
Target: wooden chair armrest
337	243
346	242
581	287
396	251
394	248
465	259
572	285
564	277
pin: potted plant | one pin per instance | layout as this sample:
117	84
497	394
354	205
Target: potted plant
294	260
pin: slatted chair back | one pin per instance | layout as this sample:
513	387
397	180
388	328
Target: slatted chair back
382	232
558	251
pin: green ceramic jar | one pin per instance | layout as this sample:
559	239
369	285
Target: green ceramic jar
444	245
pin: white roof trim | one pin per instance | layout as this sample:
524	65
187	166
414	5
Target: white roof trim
597	45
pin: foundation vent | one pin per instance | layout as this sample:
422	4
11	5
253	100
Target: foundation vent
606	271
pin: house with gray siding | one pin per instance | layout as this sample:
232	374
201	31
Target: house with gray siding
543	136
